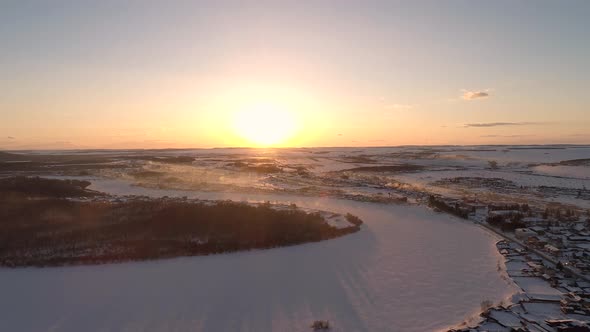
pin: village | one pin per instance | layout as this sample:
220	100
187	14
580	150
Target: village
547	255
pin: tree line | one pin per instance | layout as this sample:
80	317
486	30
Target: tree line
58	231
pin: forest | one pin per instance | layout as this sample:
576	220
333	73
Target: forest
41	224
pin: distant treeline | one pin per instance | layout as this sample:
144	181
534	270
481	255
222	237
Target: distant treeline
517	207
41	187
56	231
507	222
452	209
562	214
511	220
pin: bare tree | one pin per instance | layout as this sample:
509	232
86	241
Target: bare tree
486	304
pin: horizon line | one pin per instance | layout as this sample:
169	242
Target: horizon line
295	147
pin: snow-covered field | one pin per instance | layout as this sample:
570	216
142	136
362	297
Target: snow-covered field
575	172
408	269
325	169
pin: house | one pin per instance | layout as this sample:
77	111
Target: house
537	229
534	221
503	212
535	241
551	249
577	238
524	233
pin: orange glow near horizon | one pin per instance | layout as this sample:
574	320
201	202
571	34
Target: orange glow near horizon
265	125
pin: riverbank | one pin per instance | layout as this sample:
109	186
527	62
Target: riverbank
550	298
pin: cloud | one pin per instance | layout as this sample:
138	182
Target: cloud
472	95
500	124
10	137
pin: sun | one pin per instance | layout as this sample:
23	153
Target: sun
265	124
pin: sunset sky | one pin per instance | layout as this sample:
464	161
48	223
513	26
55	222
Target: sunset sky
156	74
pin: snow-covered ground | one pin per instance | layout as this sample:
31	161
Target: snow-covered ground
579	172
408	269
537	288
519	178
321	170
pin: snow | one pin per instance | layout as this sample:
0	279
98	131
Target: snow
408	269
532	167
519	178
580	172
336	220
537	311
538	154
537	288
516	265
506	318
493	326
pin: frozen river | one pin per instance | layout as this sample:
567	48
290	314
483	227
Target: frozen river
408	269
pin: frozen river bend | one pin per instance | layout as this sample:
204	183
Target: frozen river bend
408	269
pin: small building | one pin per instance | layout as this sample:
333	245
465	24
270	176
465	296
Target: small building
551	249
524	233
577	238
534	221
537	229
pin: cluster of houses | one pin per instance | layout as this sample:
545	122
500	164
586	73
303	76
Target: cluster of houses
562	234
550	299
568	244
547	256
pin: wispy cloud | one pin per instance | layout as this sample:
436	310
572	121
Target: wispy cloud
473	95
10	137
500	124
